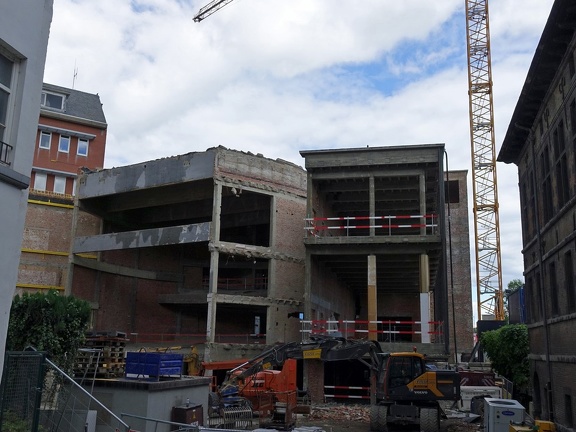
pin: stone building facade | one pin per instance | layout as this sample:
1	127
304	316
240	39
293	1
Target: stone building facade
541	141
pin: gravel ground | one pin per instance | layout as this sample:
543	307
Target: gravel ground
356	418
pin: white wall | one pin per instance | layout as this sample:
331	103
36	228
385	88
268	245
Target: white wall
24	28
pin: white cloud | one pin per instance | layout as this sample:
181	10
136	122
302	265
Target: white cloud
276	77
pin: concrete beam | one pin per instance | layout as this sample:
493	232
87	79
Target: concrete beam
182	234
254	301
197	297
125	271
166	171
355	174
251	251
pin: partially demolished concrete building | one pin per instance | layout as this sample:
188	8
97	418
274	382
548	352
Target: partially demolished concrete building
234	250
375	240
206	244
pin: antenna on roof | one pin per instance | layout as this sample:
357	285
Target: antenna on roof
75	74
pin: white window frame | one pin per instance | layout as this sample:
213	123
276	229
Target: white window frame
40	180
5	127
62	139
42	142
46	95
60	184
82	144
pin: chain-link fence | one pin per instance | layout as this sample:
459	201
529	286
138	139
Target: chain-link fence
37	396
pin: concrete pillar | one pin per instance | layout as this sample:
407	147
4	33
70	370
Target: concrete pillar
273	333
372	299
214	262
70	273
372	198
425	298
314	380
423	203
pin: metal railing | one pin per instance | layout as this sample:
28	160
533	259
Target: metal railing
68	407
175	426
178	341
36	395
386	331
387	225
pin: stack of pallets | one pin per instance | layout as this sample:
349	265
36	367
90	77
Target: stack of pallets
102	356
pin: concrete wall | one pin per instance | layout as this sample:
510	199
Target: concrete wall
459	270
153	400
28	50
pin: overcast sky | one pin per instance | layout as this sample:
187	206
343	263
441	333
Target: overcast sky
279	76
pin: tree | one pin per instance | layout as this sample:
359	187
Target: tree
514	285
508	348
49	322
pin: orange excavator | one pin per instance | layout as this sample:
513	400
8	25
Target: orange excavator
404	390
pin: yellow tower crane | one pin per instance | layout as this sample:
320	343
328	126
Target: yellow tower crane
489	296
484	182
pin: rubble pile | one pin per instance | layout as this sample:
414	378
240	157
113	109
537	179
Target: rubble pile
340	412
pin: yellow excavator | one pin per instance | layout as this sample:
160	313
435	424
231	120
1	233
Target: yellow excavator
405	390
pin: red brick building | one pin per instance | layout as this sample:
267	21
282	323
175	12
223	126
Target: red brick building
71	137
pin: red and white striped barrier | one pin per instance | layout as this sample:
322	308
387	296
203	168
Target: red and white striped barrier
317	224
366	390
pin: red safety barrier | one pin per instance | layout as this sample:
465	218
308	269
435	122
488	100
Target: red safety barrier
318	225
346	392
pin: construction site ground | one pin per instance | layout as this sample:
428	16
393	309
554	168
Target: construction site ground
335	417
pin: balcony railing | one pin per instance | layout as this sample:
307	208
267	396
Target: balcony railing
5	150
388	225
385	331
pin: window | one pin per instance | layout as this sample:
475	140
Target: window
553	288
45	138
537	299
569	282
40	181
64	144
82	147
60	184
547	194
561	166
568	410
528	294
52	100
452	191
6	68
573	117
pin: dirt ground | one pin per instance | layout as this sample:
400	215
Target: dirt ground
356	418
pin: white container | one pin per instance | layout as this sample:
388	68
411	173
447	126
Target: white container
499	413
468	392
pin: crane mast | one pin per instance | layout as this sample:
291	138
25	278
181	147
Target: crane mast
483	149
484	181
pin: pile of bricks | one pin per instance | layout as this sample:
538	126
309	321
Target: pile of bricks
349	412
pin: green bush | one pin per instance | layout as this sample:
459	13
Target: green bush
508	349
49	322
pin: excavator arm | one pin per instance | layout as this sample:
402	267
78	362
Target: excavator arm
323	348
